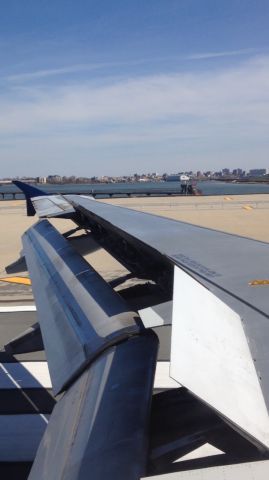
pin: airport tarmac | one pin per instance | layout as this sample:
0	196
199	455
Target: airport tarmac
26	396
245	215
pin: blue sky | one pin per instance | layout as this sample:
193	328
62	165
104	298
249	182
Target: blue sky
99	87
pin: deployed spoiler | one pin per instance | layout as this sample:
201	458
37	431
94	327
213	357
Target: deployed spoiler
100	357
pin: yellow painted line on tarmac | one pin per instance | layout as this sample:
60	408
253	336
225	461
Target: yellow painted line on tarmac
227	198
255	283
20	280
248	207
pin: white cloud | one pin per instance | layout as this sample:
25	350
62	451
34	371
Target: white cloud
209	110
237	94
52	72
227	53
87	67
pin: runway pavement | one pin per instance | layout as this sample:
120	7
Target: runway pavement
25	387
26	392
26	396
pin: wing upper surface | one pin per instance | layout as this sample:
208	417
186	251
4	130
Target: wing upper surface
223	263
223	260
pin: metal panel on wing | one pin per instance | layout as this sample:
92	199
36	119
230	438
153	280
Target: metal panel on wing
52	206
79	313
99	428
211	357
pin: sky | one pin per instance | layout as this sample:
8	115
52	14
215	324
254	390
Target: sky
102	87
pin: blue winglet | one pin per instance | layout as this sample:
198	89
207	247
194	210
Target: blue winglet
29	192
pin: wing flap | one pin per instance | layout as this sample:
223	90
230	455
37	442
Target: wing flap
99	428
79	313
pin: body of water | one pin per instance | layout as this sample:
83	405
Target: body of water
228	188
207	188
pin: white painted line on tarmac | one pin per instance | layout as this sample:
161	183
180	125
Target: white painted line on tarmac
18	308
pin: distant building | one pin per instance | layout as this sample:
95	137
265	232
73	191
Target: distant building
225	171
257	172
54	179
41	179
173	178
238	172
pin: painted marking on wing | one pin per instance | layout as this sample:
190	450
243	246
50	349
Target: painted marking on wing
20	280
257	283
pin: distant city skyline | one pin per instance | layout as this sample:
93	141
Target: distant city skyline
155	176
110	88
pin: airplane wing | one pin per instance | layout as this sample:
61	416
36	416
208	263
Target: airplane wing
225	265
210	281
89	334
